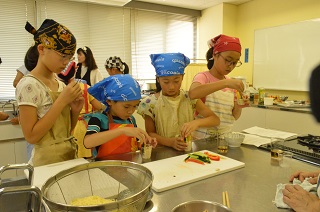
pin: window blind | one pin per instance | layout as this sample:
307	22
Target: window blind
104	29
157	32
14	42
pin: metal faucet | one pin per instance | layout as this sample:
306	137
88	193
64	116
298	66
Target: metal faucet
11	102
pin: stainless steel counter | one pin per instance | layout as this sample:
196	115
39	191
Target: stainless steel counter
251	188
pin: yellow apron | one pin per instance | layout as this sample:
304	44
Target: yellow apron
57	144
80	129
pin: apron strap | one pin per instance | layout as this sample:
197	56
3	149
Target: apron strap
86	100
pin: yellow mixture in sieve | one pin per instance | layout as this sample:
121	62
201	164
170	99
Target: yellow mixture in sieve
90	200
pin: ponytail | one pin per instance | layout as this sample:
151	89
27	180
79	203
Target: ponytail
209	57
31	57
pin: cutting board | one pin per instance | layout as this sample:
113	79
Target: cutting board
174	172
42	173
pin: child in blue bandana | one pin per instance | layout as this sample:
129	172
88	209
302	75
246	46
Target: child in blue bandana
169	114
115	130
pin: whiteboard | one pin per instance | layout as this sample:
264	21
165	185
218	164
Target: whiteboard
284	56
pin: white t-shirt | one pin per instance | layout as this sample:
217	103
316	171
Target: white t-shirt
23	70
31	92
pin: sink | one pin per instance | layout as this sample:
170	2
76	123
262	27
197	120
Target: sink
11	114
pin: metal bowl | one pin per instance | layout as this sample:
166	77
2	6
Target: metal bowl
128	184
200	206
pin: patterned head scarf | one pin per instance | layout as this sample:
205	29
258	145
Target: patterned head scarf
223	43
120	87
169	64
314	92
115	62
54	36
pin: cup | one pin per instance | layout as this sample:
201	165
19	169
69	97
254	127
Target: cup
146	151
222	146
212	135
188	140
286	159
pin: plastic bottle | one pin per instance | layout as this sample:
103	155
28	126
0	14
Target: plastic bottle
262	92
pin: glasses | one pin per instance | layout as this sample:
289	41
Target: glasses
231	63
65	57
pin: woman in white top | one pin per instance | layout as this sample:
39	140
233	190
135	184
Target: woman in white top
87	67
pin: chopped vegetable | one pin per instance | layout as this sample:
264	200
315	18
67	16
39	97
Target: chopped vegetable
212	157
194	160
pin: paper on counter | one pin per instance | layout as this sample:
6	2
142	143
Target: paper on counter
255	140
270	133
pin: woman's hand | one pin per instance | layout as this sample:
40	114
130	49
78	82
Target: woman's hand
178	143
302	175
299	199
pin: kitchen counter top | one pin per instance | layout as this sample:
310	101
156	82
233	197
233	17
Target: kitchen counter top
250	189
290	109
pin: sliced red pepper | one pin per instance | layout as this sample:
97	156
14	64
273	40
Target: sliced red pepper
216	158
194	160
212	157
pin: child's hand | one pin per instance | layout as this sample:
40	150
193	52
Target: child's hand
235	84
77	104
188	128
178	144
137	133
71	92
150	140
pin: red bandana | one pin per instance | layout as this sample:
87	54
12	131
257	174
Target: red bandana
223	43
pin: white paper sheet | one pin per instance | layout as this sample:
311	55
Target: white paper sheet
270	133
255	140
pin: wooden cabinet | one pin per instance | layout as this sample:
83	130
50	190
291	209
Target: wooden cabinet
295	122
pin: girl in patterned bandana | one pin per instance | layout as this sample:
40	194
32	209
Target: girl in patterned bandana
114	65
169	114
115	130
87	67
48	108
215	88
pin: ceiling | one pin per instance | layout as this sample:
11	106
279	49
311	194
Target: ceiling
195	4
189	4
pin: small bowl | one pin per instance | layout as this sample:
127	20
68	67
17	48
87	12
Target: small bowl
234	139
200	205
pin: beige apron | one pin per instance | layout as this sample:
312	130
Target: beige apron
222	104
57	144
171	113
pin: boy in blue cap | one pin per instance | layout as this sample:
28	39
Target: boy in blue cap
115	130
169	114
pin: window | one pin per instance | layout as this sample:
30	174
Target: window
14	42
156	32
104	29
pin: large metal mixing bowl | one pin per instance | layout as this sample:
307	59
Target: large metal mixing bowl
127	183
200	206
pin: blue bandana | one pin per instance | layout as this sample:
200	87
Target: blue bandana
169	64
117	88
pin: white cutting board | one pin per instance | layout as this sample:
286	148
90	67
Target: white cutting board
173	172
42	173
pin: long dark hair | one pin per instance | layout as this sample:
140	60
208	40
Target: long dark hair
209	57
31	57
90	61
158	86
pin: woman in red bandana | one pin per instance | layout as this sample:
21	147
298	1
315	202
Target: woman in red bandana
214	87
